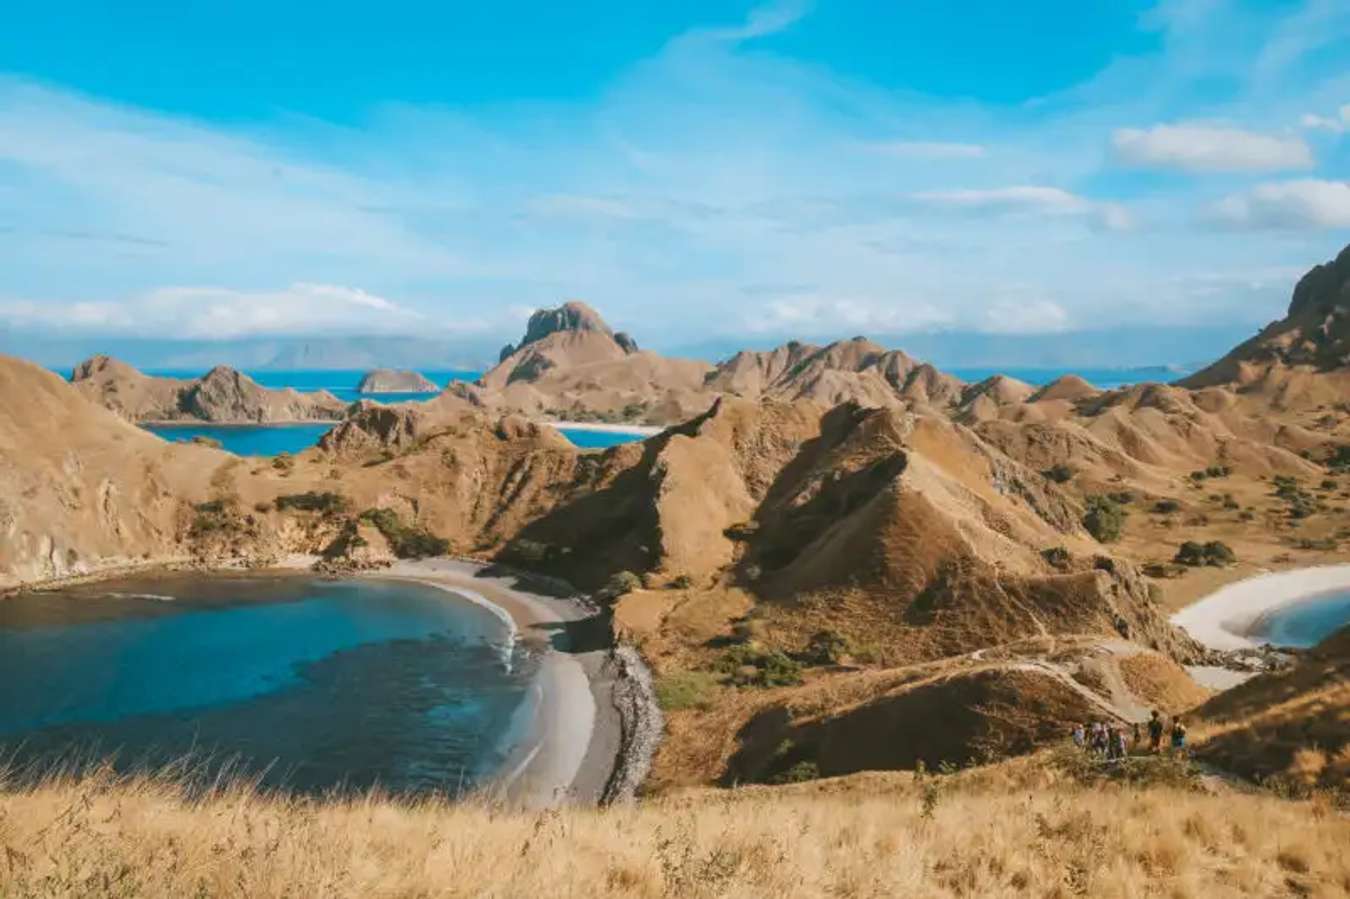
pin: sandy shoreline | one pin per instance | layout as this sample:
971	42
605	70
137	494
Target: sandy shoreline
1223	619
575	726
644	430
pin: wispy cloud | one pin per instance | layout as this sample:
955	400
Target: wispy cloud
1030	199
1338	124
1209	148
928	149
1301	204
213	313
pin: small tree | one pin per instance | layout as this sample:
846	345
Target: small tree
1059	473
1104	518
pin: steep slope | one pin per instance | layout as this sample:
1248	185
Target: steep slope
222	395
571	365
83	490
1292	725
1313	338
855	370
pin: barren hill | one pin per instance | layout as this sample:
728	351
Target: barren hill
387	380
1312	339
571	365
222	395
855	370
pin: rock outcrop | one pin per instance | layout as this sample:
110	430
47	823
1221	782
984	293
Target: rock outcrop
1313	338
387	380
223	396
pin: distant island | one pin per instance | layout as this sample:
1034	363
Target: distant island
388	380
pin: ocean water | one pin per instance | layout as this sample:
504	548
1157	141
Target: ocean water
310	684
341	383
1101	378
1305	623
269	440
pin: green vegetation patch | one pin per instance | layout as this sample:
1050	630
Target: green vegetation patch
686	690
1215	552
1104	518
407	541
757	666
326	502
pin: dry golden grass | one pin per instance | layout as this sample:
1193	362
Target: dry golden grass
874	835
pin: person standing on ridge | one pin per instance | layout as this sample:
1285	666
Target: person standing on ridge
1178	736
1155	732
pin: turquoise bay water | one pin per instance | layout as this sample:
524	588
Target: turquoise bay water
1305	623
312	684
341	383
268	440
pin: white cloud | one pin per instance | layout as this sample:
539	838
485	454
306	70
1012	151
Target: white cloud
1337	125
1208	148
1031	199
816	314
771	18
215	313
1302	204
1025	317
924	149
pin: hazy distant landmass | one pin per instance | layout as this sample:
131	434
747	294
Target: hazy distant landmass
1184	348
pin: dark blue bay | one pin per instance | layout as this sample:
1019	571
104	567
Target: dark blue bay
312	684
1305	623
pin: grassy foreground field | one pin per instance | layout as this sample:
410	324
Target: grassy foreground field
1023	831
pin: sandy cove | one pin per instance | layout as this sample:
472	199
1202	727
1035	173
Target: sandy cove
595	722
1223	619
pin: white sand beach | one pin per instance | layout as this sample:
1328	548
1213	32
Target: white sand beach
1223	619
644	430
574	728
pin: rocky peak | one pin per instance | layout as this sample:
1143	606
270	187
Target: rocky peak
570	316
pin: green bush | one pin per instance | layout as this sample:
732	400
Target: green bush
826	648
801	772
1166	506
203	440
1215	552
1060	473
407	542
1057	557
750	665
685	690
1104	518
283	462
1124	497
619	584
326	502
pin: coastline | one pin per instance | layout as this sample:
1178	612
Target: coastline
1223	619
595	722
590	736
599	427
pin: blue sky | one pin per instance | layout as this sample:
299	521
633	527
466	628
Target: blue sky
206	170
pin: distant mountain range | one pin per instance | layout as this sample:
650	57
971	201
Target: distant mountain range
1181	348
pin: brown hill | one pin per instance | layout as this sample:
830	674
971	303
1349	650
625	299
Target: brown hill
856	371
387	380
222	395
1313	338
1292	726
570	365
82	490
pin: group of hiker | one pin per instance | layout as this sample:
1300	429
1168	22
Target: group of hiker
1108	740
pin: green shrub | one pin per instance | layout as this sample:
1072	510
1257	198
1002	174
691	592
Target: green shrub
1215	552
826	648
1104	518
619	584
750	665
326	502
1057	557
1166	506
682	582
1060	473
801	772
1124	497
407	542
203	440
283	462
685	690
